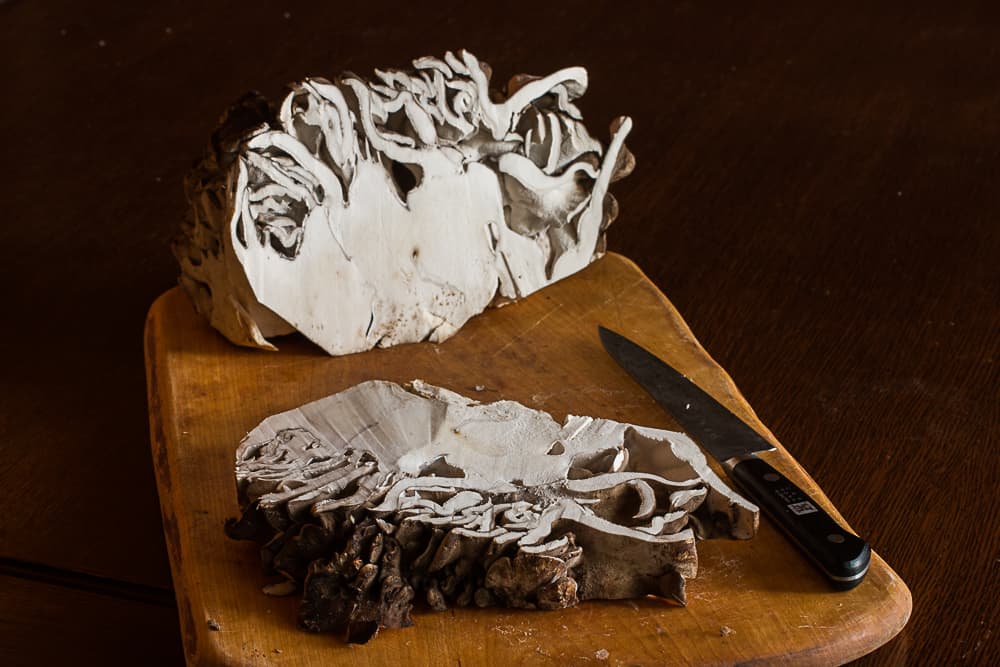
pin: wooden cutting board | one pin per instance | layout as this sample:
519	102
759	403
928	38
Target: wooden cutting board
753	601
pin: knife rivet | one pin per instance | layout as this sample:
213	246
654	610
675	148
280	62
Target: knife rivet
836	538
771	477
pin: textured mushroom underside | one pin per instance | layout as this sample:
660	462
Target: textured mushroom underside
381	493
373	213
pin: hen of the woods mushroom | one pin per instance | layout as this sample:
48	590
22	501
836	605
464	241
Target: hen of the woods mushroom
379	495
373	213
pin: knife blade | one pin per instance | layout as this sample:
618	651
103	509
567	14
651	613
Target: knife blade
842	556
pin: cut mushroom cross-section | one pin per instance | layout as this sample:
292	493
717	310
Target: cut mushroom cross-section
373	213
472	504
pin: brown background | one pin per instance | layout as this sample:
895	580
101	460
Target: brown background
816	191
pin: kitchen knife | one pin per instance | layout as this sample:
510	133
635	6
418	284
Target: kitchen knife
842	556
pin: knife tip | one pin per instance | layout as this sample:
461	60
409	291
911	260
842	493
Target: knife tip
606	335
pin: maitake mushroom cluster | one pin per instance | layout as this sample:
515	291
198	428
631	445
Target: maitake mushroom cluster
373	213
380	495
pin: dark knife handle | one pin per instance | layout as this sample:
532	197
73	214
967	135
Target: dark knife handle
841	555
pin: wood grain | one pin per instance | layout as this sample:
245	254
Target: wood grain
543	352
816	191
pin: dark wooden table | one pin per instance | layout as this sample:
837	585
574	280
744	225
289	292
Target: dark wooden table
816	190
